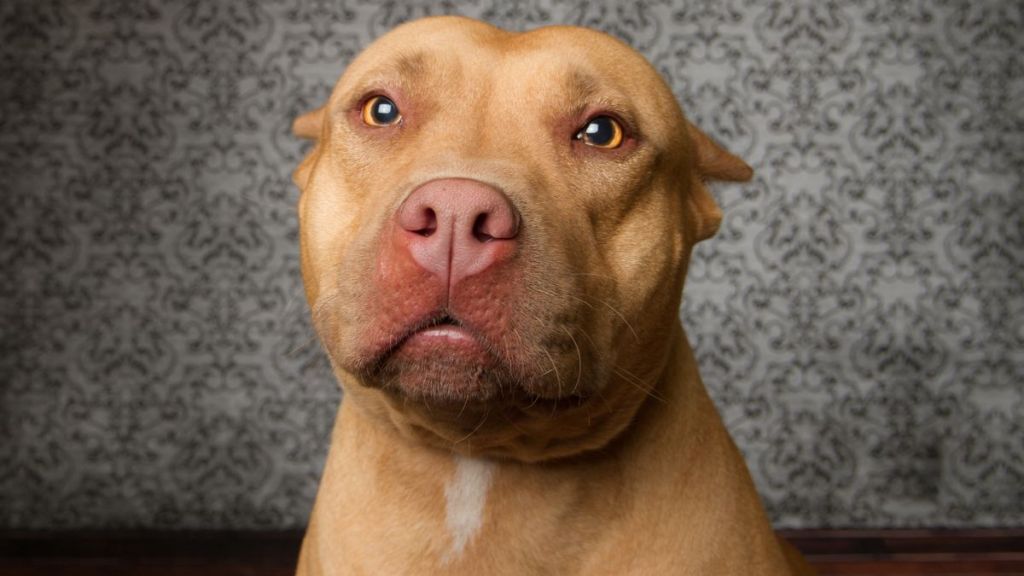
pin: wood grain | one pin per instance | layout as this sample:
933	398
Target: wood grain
833	552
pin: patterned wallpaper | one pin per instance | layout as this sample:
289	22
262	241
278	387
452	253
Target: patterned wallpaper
859	319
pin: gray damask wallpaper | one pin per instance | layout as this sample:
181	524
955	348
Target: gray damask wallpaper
859	318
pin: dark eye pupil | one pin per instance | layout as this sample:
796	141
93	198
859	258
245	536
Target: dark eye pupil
600	131
384	111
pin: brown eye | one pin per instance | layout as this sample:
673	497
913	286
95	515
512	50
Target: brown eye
380	111
602	132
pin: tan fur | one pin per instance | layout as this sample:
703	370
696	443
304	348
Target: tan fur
639	477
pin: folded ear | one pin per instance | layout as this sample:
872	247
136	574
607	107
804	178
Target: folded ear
309	124
713	163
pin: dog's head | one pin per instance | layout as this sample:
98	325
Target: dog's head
495	229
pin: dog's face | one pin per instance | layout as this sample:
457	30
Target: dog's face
495	229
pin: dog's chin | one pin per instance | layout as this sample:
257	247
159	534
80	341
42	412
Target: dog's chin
442	367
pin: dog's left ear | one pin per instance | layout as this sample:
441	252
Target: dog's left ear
309	124
712	163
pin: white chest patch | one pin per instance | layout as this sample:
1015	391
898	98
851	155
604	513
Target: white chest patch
465	496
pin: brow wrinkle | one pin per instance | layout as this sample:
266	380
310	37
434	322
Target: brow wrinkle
412	65
582	85
400	72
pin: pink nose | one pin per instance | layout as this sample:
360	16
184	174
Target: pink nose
455	228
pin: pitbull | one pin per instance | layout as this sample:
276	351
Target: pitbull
495	230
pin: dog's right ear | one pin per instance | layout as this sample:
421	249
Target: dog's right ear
310	124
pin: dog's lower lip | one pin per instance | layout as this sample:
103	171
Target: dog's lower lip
446	344
449	331
440	337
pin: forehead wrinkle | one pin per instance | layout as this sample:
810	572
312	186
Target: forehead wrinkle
412	65
582	88
403	72
584	91
582	85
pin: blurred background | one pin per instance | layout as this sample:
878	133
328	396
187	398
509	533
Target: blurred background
859	318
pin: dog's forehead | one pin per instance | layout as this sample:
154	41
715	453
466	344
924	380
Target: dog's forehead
579	60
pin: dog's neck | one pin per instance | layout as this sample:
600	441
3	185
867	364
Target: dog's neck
384	494
465	497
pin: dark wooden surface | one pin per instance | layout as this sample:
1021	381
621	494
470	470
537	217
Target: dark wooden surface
933	552
839	552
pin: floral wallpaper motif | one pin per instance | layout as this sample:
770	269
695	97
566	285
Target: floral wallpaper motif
859	319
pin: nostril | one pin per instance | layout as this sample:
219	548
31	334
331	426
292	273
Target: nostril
498	224
428	223
479	228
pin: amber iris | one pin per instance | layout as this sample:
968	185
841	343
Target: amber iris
380	111
601	132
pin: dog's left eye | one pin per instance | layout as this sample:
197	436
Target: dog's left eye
380	111
601	132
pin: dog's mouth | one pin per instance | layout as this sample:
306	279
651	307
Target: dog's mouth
439	359
437	331
442	360
443	324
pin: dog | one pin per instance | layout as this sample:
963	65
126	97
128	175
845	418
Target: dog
495	229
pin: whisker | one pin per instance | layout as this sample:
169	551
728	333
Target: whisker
474	430
511	423
579	358
591	306
289	307
534	402
589	339
522	346
558	379
301	347
594	274
554	295
623	318
638	383
465	403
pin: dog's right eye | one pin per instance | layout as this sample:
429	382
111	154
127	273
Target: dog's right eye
380	111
